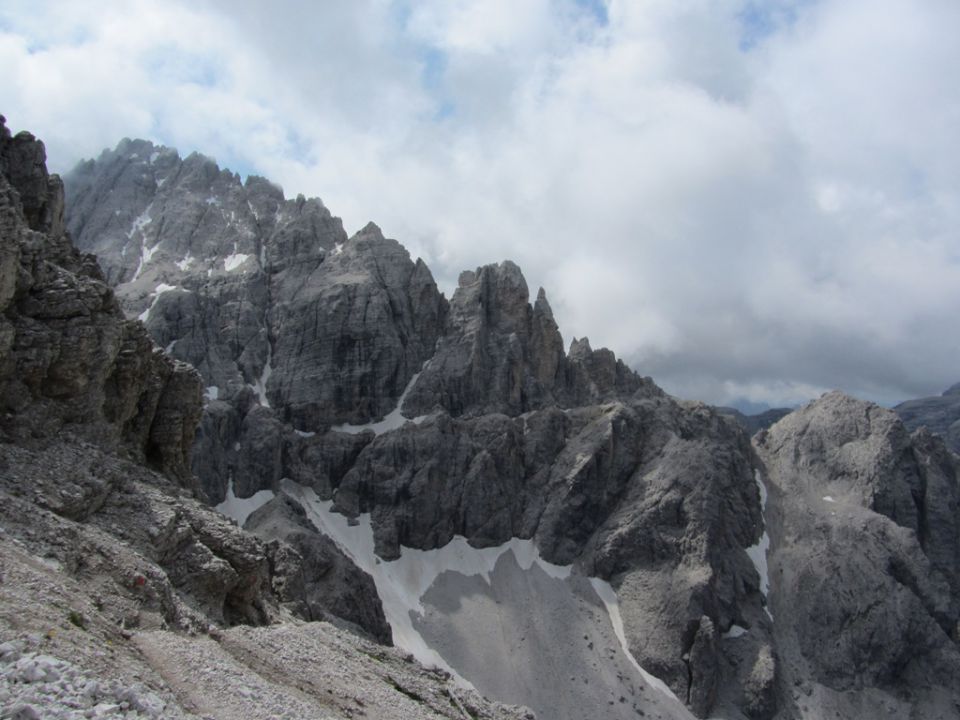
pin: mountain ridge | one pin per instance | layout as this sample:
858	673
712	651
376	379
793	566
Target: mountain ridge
808	573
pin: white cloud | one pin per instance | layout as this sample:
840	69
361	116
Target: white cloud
761	222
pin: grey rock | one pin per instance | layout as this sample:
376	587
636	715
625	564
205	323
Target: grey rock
863	576
940	414
311	330
322	579
298	330
68	358
97	542
655	496
499	354
704	668
266	297
755	423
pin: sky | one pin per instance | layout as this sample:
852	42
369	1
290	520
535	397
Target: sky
750	201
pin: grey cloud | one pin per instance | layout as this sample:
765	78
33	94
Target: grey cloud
762	224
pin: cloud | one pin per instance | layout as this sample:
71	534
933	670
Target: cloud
745	200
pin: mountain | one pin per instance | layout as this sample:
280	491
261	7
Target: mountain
316	347
940	414
120	592
756	422
532	519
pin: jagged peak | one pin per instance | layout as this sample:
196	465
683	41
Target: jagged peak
541	306
371	229
579	348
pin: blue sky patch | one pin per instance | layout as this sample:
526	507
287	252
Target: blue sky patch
760	19
596	8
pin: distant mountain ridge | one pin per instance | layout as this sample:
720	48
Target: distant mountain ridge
940	414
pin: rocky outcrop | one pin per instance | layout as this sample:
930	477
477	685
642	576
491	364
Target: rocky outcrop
500	354
287	319
940	414
85	392
655	496
863	561
320	581
68	357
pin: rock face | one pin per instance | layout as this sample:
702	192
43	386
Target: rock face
499	354
285	317
940	414
85	392
811	574
303	336
863	562
106	556
320	580
68	357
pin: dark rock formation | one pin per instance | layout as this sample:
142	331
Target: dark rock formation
499	354
321	582
80	385
266	297
83	392
940	414
755	423
104	543
68	357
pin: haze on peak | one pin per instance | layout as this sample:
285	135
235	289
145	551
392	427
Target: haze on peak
750	201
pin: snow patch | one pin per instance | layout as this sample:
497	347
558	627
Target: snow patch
393	420
153	156
581	460
212	393
260	387
735	631
241	508
185	264
304	433
169	348
157	292
828	499
140	222
232	262
338	249
402	582
605	591
758	552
